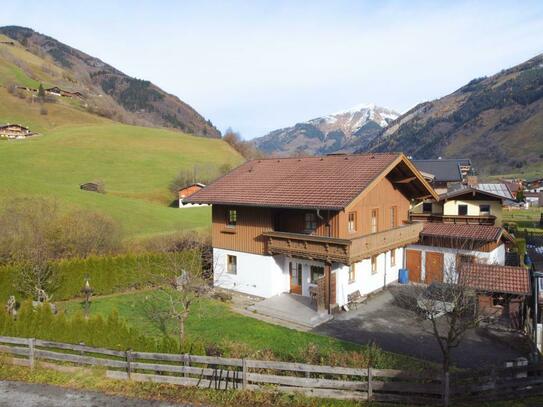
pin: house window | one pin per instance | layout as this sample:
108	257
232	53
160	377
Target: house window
427	207
310	222
351	226
231	264
392	257
316	273
484	210
466	259
352	273
373	264
462	210
232	218
394	216
374	220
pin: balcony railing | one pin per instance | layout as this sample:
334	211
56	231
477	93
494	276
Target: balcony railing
345	251
458	219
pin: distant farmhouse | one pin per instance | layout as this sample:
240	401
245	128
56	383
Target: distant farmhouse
15	131
186	192
55	91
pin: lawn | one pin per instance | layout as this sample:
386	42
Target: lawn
524	218
214	322
136	165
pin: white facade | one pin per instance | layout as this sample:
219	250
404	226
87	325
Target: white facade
496	256
191	205
266	276
262	276
365	281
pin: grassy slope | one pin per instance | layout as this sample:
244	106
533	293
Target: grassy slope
135	163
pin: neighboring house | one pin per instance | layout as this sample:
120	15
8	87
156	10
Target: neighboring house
15	131
92	187
514	186
188	191
534	185
445	172
472	204
501	290
533	199
442	248
56	91
327	227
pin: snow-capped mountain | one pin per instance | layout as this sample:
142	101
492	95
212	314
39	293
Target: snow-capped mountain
342	131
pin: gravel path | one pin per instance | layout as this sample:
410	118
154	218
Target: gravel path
19	394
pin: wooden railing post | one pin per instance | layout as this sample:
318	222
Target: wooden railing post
370	387
128	363
244	374
31	352
186	364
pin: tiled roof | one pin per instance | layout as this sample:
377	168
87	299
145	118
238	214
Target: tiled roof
482	233
495	278
444	170
329	182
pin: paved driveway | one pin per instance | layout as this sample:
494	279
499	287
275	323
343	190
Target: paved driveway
398	330
18	394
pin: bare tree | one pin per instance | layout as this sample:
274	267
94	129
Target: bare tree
181	281
450	307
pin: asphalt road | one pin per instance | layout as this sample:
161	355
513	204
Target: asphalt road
395	329
19	394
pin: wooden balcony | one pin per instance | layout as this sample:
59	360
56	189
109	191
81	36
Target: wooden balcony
345	251
457	219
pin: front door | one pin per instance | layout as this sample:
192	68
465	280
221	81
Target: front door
295	270
434	267
413	260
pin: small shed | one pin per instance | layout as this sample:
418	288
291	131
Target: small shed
188	191
92	187
502	290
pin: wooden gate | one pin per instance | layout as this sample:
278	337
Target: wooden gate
434	268
413	264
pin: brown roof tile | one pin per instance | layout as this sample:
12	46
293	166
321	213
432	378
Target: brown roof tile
495	278
474	232
329	182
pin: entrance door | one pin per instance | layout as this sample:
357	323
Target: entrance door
434	267
295	270
413	264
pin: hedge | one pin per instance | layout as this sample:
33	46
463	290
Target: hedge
107	274
111	332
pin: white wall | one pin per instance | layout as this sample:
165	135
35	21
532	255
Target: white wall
496	256
263	276
365	281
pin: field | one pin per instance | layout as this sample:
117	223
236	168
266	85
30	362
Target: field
524	218
135	163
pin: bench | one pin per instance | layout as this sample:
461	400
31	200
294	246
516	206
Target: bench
355	299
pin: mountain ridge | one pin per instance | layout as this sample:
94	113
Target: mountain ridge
339	131
109	91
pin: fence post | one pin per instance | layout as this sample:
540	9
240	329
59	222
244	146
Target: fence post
370	387
186	363
31	352
128	363
446	389
244	374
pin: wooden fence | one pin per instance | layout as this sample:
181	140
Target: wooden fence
386	385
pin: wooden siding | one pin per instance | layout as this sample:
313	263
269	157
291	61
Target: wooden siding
246	236
382	197
293	221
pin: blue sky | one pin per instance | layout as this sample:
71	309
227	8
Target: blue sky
260	65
